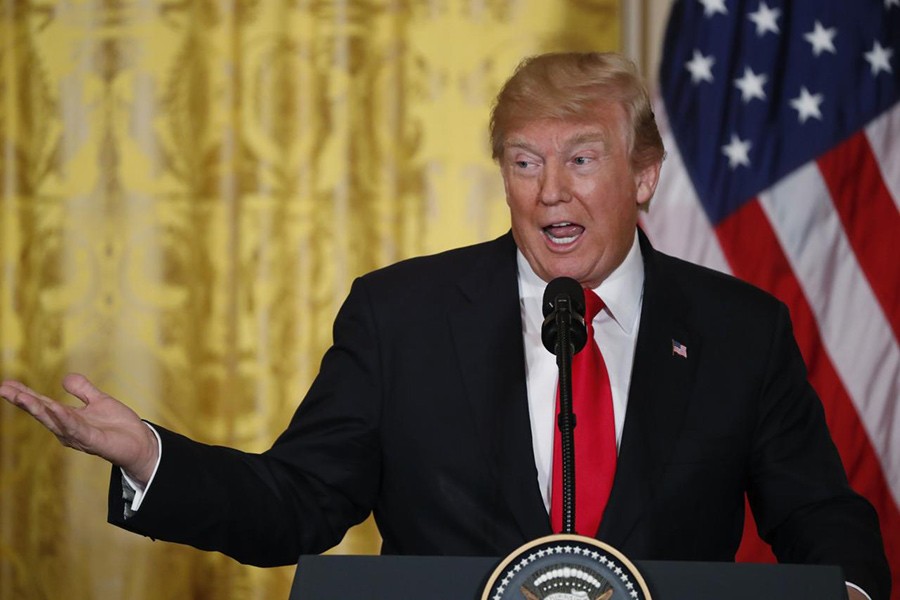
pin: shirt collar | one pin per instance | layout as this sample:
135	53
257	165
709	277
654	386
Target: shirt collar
621	291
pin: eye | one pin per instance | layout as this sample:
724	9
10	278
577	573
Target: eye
522	164
581	160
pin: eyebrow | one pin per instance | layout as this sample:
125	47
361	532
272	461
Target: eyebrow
514	143
581	138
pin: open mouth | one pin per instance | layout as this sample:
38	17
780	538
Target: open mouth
563	233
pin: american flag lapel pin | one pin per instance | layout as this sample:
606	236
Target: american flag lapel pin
679	349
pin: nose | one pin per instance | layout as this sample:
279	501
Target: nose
554	184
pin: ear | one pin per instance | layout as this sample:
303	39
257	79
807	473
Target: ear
645	183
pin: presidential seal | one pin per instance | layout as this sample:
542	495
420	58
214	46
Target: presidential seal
566	567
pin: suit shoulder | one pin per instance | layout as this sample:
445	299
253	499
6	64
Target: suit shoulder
709	287
441	268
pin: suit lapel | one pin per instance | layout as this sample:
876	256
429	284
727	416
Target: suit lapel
486	329
660	386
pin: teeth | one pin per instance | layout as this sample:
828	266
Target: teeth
555	231
562	240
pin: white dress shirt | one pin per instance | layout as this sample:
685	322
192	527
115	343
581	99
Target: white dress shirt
615	330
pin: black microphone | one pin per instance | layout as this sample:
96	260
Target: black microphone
563	296
564	334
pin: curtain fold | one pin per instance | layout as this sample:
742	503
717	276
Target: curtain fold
186	191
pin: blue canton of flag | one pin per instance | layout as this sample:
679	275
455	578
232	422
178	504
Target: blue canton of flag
812	71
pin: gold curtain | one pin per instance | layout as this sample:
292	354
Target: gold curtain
187	189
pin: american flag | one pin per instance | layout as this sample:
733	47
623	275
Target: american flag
781	120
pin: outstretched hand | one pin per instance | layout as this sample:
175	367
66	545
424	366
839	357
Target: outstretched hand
103	426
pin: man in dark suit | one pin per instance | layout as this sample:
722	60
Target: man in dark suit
434	407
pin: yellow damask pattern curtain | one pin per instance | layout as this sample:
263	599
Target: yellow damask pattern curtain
187	189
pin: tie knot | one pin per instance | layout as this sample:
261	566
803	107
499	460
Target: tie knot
592	305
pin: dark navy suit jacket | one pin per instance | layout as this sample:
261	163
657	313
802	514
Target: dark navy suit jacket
419	413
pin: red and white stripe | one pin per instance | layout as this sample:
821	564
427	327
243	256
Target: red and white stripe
826	241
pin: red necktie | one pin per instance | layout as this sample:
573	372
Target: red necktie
595	434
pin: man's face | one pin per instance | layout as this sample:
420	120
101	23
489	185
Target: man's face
573	196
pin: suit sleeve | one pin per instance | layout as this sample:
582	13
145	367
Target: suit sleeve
320	477
801	500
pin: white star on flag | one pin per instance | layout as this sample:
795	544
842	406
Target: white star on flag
737	151
751	85
700	67
765	19
822	39
807	105
711	7
879	58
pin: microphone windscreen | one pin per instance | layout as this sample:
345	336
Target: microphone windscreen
563	286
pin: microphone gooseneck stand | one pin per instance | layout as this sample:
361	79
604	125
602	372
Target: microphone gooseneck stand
566	418
564	333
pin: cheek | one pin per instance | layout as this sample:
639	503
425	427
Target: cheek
518	194
595	184
611	196
520	217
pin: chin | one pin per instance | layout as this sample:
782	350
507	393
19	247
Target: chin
563	273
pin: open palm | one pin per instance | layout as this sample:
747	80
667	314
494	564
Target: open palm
103	426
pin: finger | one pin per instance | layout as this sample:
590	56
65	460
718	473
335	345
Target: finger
20	395
52	417
33	404
79	386
12	389
62	421
66	426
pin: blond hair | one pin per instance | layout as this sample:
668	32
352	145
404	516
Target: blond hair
569	86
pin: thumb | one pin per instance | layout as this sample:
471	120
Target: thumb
79	386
